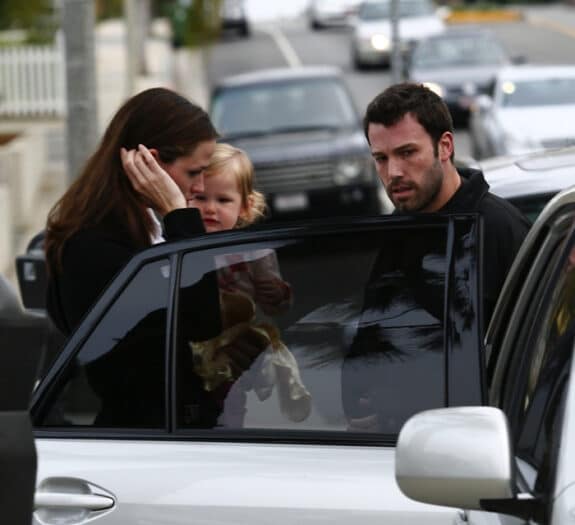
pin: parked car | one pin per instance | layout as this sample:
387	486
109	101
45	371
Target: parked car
512	460
531	108
458	65
21	350
531	181
233	17
328	13
129	431
371	41
303	133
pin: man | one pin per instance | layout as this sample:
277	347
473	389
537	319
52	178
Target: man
410	133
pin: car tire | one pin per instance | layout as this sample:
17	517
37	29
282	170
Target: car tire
315	25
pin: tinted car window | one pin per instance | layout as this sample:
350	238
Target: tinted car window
347	335
117	378
543	92
379	10
273	107
457	52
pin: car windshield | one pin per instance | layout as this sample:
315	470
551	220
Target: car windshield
283	107
381	10
540	92
446	52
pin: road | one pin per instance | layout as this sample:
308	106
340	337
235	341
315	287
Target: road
544	36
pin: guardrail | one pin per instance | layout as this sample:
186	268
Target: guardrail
32	80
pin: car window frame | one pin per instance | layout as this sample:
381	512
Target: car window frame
174	252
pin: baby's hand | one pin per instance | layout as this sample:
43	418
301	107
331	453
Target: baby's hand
271	292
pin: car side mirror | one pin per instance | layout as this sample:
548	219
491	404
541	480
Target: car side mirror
455	457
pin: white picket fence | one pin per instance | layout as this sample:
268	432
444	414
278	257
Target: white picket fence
32	80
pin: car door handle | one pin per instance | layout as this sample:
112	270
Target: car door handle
66	500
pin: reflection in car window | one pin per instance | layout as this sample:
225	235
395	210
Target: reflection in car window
549	365
357	325
118	376
283	106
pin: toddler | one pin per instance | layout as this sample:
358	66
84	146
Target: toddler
247	279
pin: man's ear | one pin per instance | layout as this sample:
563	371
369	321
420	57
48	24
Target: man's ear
445	146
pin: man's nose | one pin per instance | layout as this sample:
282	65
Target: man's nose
394	169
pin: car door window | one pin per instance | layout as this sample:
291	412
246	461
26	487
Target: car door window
331	333
117	377
535	395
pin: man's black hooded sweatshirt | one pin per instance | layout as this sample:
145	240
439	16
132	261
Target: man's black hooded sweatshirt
504	228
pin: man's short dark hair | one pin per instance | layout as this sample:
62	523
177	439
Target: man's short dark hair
391	105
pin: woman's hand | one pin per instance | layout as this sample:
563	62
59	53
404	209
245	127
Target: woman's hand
151	181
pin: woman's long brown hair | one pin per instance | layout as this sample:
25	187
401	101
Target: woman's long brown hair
158	118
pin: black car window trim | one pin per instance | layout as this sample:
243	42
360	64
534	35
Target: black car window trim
534	320
48	387
298	231
516	296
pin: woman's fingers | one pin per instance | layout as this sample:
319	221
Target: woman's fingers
150	180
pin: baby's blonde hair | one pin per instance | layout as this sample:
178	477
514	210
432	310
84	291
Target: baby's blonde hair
227	157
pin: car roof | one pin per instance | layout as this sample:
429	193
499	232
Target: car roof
534	72
272	75
539	173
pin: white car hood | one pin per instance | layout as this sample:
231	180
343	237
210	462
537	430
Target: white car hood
412	28
539	123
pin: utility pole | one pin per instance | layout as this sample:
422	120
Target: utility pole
396	57
82	105
131	19
137	16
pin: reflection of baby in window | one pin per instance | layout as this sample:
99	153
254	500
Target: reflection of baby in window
249	353
259	278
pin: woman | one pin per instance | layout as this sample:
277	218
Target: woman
150	162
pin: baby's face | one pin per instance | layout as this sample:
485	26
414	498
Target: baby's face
220	203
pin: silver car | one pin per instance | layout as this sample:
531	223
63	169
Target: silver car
371	42
513	461
331	13
532	108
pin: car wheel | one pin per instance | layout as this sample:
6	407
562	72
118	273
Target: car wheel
315	25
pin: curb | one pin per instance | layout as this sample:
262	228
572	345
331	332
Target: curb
484	16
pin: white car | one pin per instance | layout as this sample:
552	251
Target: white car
513	461
328	13
371	42
532	108
132	427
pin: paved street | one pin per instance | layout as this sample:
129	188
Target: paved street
545	35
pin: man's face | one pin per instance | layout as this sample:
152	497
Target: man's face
408	164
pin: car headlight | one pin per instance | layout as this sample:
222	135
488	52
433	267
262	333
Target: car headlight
380	42
436	88
348	170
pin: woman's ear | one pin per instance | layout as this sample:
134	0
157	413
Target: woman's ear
155	154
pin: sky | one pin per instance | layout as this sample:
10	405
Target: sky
268	9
